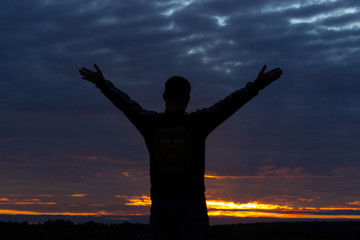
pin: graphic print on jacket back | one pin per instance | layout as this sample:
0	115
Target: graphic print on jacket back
173	148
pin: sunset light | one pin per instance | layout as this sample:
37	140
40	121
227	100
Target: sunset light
220	208
138	200
218	204
77	195
216	208
93	130
6	201
16	212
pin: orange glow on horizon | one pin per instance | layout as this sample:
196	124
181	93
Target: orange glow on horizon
77	195
278	215
30	203
6	201
16	212
338	208
225	208
139	201
216	208
211	204
208	176
218	204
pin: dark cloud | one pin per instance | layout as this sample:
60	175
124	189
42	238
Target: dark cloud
53	122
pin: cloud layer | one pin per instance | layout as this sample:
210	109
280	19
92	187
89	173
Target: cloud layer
299	138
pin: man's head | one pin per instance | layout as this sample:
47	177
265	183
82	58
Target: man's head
177	93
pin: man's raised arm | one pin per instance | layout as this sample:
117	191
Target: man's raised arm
121	100
91	76
265	78
223	109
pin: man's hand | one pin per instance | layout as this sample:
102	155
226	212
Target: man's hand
91	76
265	78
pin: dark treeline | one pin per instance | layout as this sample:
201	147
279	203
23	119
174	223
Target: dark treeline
289	231
66	230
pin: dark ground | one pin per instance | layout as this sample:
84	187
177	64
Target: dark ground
66	230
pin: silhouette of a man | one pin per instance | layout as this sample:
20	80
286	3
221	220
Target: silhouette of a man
175	140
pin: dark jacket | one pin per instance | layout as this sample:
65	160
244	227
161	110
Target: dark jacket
176	140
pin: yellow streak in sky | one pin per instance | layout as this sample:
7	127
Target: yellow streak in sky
30	203
77	195
279	215
224	208
6	201
139	201
230	177
218	204
16	212
338	208
215	208
224	205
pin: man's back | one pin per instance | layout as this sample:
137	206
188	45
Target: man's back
176	141
176	144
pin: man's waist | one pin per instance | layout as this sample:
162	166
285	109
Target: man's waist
161	194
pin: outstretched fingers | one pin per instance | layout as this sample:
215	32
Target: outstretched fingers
261	73
92	76
275	72
263	69
97	68
268	77
86	73
85	70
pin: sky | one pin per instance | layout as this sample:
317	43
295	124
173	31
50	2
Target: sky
292	152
